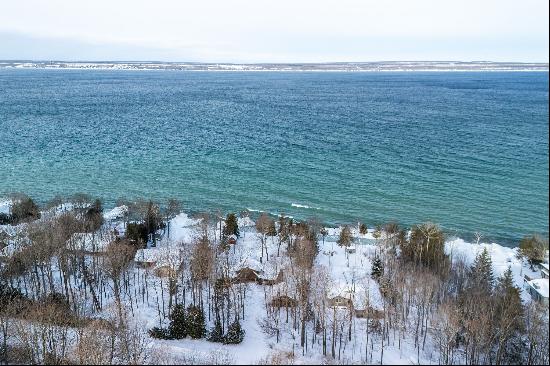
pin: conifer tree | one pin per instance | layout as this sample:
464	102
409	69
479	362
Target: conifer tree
196	327
509	318
231	225
377	268
345	238
235	334
482	277
216	334
363	229
178	326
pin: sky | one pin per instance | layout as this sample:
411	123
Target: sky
275	31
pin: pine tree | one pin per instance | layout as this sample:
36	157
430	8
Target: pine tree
231	226
509	318
345	238
377	268
482	277
178	326
216	334
196	327
235	334
363	229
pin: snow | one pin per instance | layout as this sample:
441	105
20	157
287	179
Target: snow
116	213
540	285
348	275
5	205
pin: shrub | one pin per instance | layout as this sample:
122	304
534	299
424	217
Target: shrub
363	229
159	333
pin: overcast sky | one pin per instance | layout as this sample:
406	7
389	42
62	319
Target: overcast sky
275	31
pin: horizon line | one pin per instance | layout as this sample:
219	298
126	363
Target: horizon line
276	63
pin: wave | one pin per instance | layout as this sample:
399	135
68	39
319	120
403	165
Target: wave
304	206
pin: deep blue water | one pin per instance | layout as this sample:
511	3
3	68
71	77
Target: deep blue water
466	150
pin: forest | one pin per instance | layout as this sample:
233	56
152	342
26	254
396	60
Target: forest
147	283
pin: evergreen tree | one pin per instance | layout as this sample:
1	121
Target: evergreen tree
481	274
231	225
345	238
235	334
216	334
196	327
178	326
377	268
363	229
509	318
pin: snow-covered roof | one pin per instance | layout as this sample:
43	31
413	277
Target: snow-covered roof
116	213
346	290
540	285
5	206
545	266
249	263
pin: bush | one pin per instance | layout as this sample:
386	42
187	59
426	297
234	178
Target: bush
235	334
363	229
159	333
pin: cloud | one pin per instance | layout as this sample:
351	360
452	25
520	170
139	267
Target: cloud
255	31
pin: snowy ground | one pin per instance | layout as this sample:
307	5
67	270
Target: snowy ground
345	270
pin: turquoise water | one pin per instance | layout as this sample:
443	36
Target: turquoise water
466	150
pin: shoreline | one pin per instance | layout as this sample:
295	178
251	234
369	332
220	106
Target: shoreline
380	66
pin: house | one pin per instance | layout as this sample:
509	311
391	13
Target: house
370	313
340	301
543	270
146	258
351	249
246	274
283	301
159	256
538	289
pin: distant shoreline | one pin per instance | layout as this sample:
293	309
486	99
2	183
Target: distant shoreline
426	66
